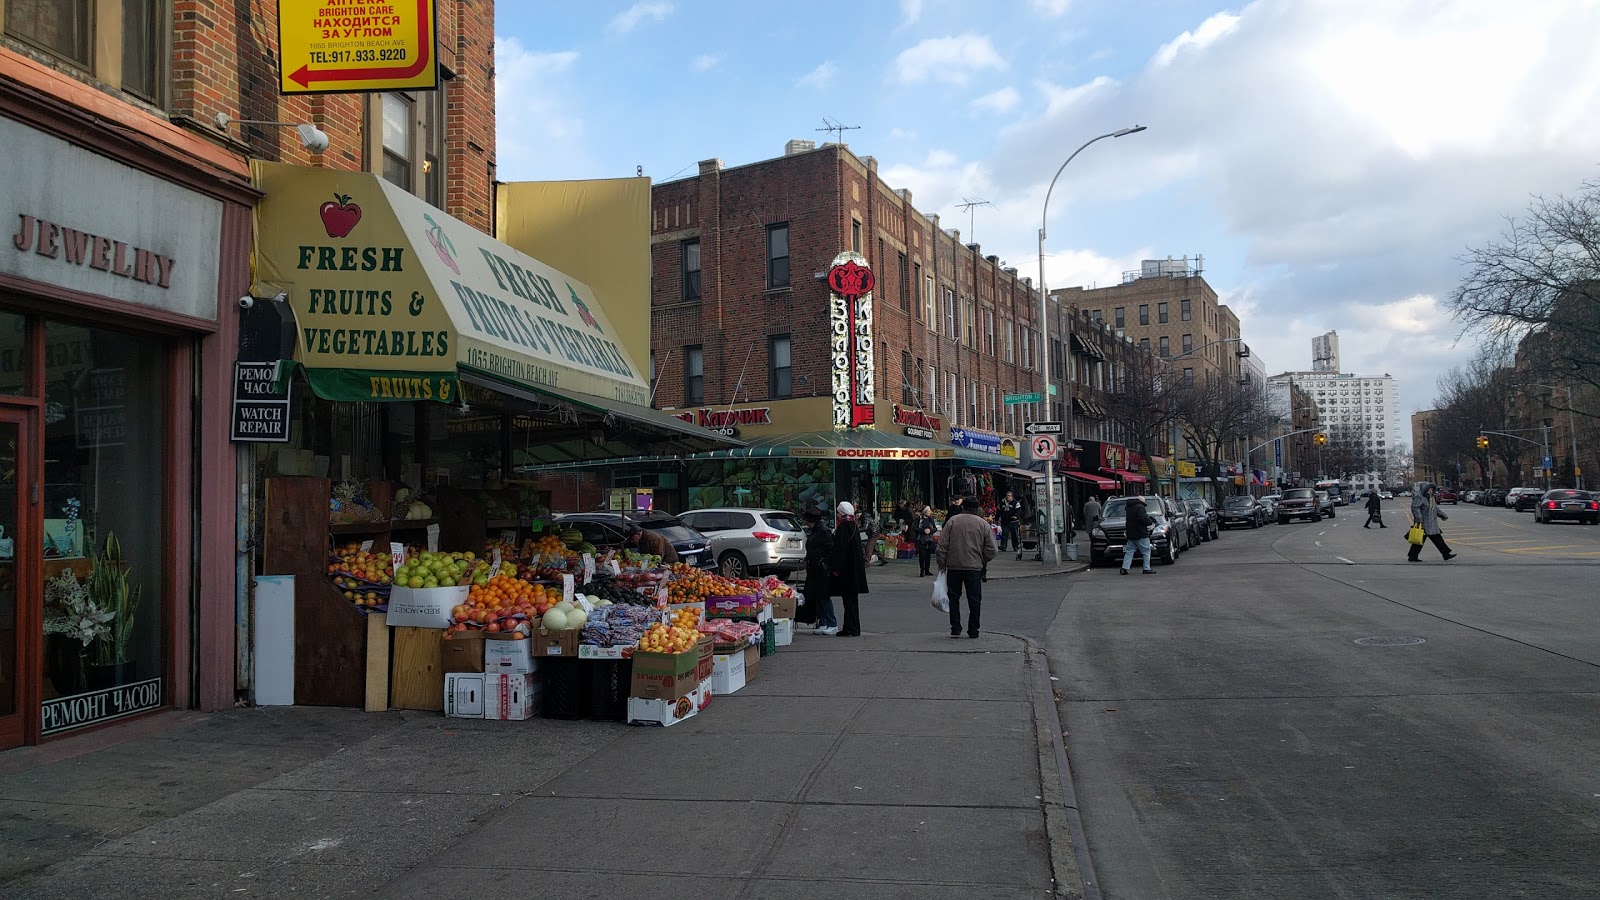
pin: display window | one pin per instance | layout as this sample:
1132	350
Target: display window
794	485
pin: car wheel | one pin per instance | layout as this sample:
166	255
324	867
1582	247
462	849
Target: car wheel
732	565
1170	557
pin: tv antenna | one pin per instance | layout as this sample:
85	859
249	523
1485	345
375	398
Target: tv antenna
970	204
832	125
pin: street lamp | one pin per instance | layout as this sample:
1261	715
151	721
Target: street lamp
1053	556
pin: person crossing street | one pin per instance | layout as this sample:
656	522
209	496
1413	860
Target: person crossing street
1374	510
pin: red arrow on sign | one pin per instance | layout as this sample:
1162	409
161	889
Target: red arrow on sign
303	76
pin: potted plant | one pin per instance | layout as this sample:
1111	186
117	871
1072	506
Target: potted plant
80	623
110	590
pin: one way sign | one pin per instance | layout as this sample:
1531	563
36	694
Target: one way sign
1032	428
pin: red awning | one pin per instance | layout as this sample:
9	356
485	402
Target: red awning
1101	483
1125	475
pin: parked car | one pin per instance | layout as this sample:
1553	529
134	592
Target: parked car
1299	503
1326	504
751	541
1528	499
609	529
1270	503
1168	534
1206	519
1494	497
1243	511
1385	495
1447	496
1510	501
1471	496
1580	506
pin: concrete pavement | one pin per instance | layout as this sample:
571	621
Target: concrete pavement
899	764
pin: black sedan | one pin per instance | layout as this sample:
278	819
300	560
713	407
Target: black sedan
609	529
1205	518
1580	506
1242	512
1528	499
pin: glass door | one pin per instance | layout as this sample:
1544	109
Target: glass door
15	487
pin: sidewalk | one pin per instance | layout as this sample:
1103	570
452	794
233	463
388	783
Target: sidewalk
894	766
1005	566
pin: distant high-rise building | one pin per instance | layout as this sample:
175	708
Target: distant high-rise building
1325	352
1363	411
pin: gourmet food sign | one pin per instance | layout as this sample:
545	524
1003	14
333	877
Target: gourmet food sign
341	46
850	322
81	710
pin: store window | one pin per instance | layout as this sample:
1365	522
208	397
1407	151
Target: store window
691	270
778	256
780	378
694	380
60	27
104	515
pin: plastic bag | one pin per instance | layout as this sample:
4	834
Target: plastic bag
941	593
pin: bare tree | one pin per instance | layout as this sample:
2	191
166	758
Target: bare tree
1216	413
1143	404
1346	454
1472	399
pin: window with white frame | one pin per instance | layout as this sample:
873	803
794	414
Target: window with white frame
988	331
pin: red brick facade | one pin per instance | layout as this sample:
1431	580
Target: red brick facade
826	197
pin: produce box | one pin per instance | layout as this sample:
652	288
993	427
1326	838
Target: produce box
463	652
727	674
783	632
784	607
664	676
752	663
510	698
464	695
745	605
705	650
590	651
644	711
555	643
508	656
425	607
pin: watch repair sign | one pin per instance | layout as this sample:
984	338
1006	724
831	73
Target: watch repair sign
345	46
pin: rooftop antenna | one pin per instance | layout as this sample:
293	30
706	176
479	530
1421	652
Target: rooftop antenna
831	125
970	204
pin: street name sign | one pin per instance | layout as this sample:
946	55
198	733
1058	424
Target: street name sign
1017	399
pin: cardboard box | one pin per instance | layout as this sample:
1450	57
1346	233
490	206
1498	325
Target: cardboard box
727	675
665	676
784	608
510	698
425	607
783	631
705	649
589	651
752	663
462	652
555	643
464	695
508	656
643	711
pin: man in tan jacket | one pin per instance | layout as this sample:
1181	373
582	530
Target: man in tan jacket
966	544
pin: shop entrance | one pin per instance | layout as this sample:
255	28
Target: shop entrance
14	472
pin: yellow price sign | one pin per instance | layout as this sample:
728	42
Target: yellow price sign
345	46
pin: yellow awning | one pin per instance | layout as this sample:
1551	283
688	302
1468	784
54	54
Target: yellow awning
393	297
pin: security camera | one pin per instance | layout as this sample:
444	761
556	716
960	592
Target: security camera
314	138
247	302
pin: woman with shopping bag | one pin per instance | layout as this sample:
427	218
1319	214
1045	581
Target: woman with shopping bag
1425	516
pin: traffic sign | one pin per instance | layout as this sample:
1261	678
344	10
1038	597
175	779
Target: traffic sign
1043	428
1044	447
1017	399
1547	463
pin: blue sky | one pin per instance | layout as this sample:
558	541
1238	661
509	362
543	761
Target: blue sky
1330	158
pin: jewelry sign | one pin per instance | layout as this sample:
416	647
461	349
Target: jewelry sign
850	321
343	46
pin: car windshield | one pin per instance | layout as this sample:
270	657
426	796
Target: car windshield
1299	494
782	521
1567	495
1117	508
673	531
1237	501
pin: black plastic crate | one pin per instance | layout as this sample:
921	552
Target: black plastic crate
565	694
607	683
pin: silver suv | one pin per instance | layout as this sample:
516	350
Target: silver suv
751	541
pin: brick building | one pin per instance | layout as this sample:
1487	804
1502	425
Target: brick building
131	222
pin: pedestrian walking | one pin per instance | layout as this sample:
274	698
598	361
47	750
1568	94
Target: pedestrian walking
1010	512
927	531
1374	510
1425	511
1138	535
848	570
819	566
1091	512
965	547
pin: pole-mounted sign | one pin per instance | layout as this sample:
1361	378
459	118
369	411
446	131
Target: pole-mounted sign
350	46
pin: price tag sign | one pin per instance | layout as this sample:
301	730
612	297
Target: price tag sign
366	546
588	567
614	566
397	554
509	535
661	594
568	589
494	565
433	538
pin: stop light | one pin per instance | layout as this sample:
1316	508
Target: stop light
1320	439
1483	442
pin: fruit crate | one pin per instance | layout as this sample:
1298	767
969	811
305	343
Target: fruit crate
565	696
606	683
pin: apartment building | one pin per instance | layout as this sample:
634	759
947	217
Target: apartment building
1365	409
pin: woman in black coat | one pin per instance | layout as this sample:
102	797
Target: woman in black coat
925	529
819	562
848	570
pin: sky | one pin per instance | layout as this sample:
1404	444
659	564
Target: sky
1331	159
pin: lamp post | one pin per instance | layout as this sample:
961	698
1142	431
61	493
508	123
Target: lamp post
1053	554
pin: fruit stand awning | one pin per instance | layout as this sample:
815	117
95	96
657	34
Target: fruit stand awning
1104	484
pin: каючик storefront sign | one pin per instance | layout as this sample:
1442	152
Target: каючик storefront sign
67	713
727	418
260	404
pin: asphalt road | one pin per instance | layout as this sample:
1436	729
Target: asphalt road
1235	732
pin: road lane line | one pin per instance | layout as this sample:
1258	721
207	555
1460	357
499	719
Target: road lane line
1319	543
1342	559
1321	533
1544	549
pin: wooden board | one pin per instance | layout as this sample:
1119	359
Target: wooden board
377	662
294	533
330	646
417	672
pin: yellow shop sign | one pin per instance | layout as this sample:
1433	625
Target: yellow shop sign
342	46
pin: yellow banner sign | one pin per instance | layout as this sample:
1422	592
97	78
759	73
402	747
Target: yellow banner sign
1186	470
342	46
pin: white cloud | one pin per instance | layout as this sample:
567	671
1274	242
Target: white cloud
1051	9
1210	31
910	11
950	59
638	14
538	129
1061	99
902	134
705	62
1003	100
819	77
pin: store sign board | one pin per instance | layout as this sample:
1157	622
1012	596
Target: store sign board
1008	447
260	404
342	46
81	710
83	222
975	440
1186	470
925	434
916	418
727	421
889	454
99	409
850	285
